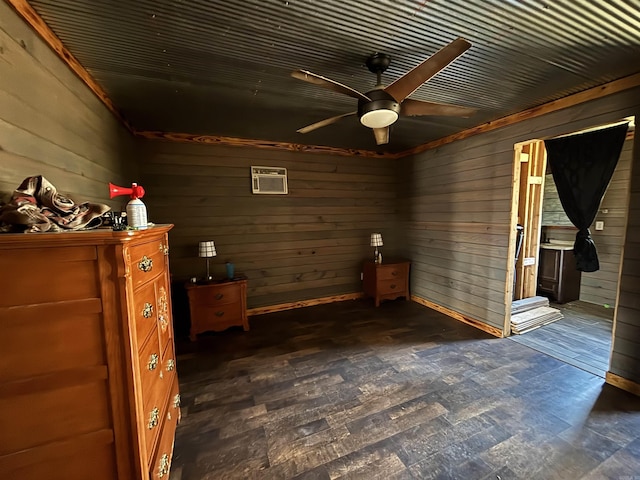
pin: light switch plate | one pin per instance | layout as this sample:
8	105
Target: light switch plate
599	225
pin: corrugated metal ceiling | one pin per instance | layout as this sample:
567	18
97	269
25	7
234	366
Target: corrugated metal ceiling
223	68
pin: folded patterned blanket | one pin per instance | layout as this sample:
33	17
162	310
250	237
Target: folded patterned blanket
36	206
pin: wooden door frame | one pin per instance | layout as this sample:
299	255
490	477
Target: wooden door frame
515	204
526	209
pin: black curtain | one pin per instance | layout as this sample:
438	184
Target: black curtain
582	166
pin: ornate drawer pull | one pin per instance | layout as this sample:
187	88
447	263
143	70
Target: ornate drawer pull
219	296
154	416
163	323
394	273
153	362
163	467
146	264
176	401
171	364
393	285
219	314
164	249
147	311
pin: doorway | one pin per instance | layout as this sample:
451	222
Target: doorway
586	332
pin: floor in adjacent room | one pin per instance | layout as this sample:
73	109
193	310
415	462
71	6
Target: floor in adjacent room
349	391
582	338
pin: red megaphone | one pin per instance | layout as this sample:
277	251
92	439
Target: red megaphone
136	191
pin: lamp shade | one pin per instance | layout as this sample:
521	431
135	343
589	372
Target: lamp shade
207	249
376	240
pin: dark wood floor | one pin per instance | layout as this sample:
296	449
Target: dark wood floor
348	391
582	338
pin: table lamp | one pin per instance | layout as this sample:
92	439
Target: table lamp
376	241
207	250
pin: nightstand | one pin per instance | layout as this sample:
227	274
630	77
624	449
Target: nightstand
217	306
386	281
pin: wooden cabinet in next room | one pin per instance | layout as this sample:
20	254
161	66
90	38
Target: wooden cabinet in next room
557	275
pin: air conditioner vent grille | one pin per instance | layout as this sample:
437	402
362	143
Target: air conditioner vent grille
269	180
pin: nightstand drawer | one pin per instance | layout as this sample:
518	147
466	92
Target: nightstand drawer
390	272
216	294
391	286
220	317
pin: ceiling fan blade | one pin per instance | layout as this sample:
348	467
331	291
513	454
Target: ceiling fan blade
309	77
324	123
381	134
410	81
414	108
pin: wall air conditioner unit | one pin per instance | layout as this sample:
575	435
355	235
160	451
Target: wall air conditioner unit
269	180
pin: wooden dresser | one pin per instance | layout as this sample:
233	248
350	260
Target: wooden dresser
386	281
88	384
217	306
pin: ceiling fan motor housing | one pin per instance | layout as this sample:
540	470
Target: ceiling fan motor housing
381	111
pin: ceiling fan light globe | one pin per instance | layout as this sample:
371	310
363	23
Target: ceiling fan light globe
379	118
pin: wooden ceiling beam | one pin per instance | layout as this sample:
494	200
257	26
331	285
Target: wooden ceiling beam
247	142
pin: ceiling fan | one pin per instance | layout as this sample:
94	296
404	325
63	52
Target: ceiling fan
381	106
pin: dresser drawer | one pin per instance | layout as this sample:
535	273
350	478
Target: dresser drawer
147	261
152	416
161	462
145	311
150	365
169	360
36	339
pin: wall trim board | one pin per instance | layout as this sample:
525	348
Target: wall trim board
623	383
458	316
303	303
26	11
594	93
247	142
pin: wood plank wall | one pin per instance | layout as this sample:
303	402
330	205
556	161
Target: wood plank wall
304	245
455	202
51	124
451	217
599	287
625	357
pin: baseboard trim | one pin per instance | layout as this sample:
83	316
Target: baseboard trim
303	303
623	383
356	296
458	316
